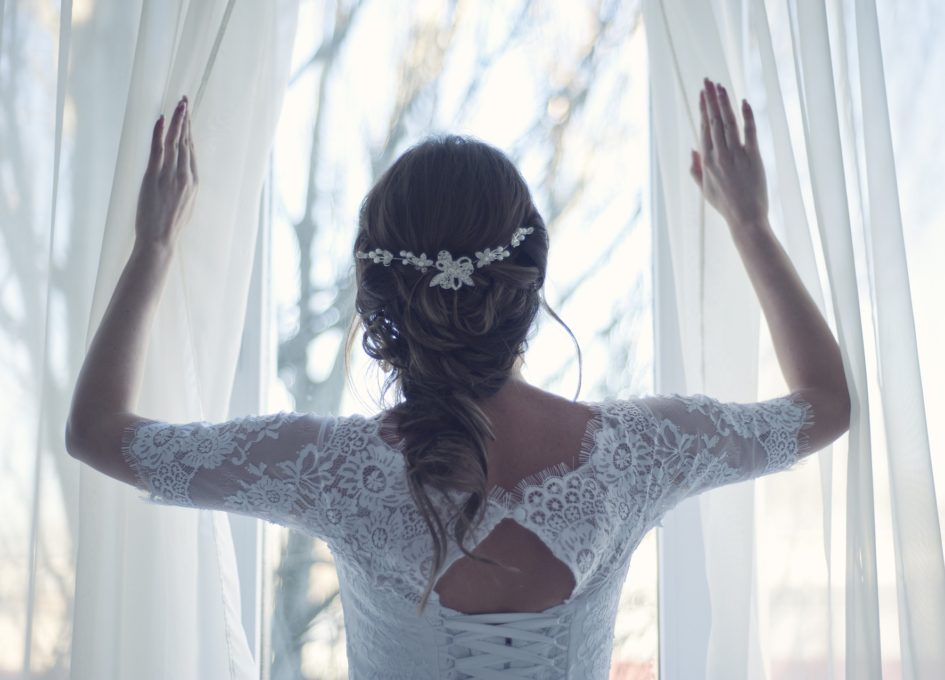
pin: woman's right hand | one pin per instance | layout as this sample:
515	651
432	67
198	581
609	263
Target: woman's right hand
730	173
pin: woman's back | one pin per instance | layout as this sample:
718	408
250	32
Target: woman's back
573	489
536	432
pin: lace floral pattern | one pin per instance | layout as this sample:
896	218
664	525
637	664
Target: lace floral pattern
227	465
337	479
596	641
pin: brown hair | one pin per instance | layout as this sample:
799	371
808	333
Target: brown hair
445	349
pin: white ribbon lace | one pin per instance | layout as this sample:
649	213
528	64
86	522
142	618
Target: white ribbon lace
505	645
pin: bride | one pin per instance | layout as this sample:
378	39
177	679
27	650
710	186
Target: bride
481	527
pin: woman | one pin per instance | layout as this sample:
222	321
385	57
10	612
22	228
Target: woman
481	527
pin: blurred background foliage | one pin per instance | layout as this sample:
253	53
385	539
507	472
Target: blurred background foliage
561	88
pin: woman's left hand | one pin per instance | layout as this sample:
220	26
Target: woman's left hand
170	182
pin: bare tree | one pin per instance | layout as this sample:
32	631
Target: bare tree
44	348
414	109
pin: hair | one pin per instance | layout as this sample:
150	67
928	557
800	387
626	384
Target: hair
443	349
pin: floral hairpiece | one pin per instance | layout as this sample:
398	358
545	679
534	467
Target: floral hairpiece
453	273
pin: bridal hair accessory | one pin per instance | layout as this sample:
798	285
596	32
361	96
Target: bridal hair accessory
453	273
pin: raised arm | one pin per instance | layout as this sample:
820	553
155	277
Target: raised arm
107	386
731	175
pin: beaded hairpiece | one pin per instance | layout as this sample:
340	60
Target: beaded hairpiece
453	273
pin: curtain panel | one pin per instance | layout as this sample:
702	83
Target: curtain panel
110	587
778	577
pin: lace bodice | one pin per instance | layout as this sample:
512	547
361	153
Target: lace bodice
337	479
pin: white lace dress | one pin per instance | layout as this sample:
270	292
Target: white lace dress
338	480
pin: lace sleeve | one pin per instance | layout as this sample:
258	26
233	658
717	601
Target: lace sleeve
698	443
271	467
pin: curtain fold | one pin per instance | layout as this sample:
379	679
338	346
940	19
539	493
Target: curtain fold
916	528
813	606
178	612
150	591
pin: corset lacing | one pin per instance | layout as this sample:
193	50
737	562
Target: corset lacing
506	645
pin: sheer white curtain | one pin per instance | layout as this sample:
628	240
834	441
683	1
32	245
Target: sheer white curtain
778	578
151	591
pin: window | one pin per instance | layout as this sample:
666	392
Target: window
562	89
